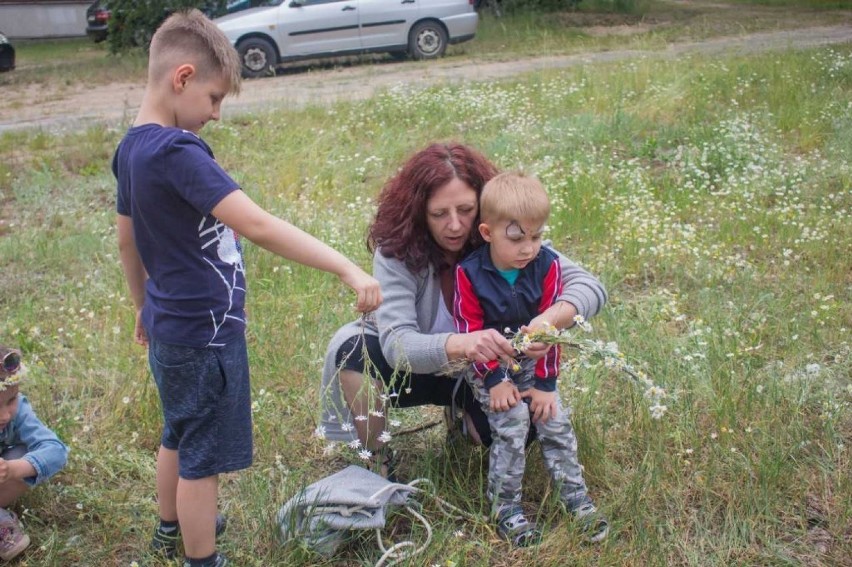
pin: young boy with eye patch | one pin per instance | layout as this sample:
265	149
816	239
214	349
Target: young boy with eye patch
506	285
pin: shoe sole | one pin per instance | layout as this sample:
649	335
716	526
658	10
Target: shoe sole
13	552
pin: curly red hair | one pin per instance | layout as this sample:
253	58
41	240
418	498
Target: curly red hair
400	227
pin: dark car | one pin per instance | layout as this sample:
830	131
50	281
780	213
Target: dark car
97	21
7	54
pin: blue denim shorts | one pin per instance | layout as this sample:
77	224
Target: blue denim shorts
206	401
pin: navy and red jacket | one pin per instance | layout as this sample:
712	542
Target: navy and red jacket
485	300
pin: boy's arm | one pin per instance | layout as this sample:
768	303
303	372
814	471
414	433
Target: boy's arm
248	219
46	454
134	272
582	294
469	317
547	366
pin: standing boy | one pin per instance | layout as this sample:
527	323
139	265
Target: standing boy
178	212
507	285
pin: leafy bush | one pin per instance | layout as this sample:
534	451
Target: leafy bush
133	23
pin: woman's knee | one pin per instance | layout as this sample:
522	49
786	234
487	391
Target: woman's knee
352	383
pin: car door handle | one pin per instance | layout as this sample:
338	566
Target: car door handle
408	1
348	8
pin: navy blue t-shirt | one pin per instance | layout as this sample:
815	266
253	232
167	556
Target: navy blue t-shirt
168	182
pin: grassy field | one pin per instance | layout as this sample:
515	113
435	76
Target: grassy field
711	195
60	63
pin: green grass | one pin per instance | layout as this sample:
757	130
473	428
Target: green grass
713	197
63	62
60	64
814	4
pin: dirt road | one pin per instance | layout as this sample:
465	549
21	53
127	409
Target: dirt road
76	106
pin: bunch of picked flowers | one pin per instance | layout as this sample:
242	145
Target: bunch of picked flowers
590	352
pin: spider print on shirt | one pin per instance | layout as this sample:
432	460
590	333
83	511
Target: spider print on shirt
229	252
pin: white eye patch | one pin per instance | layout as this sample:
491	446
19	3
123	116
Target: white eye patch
514	230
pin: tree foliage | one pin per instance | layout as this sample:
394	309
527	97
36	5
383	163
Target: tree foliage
133	23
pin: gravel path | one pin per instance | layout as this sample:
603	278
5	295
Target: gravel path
115	103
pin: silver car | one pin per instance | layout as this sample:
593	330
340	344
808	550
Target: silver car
288	30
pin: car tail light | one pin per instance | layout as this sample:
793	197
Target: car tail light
102	16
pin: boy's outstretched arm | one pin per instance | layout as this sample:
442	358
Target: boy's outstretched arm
134	272
248	219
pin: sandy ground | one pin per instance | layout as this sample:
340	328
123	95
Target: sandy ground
116	103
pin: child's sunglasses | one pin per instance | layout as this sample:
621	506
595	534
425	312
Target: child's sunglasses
11	362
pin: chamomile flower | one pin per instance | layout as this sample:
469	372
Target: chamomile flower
658	411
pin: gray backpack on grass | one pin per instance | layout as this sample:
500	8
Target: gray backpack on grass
323	515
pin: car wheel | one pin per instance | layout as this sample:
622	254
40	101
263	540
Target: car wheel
428	40
257	57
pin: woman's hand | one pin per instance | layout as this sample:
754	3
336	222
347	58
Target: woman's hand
480	346
536	350
503	396
366	287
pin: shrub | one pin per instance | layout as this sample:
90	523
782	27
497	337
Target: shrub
133	23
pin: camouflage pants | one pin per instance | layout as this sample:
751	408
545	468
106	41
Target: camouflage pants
507	459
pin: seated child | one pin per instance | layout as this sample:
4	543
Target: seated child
30	453
508	284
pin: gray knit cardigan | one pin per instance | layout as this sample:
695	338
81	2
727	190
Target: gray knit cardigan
409	308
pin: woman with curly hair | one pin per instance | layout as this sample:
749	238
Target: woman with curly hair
426	221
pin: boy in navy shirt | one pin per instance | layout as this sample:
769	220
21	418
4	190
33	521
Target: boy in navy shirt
178	212
508	284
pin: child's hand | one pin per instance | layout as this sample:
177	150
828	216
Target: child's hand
542	404
503	396
366	287
139	334
536	350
